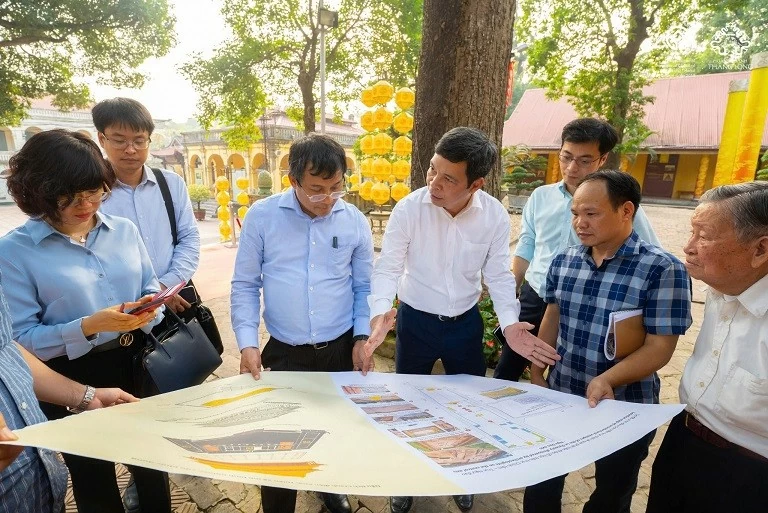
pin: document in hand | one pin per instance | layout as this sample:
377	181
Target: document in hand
625	334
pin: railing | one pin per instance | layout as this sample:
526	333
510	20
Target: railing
272	133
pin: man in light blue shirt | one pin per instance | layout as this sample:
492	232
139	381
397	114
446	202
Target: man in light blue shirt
312	256
125	128
546	227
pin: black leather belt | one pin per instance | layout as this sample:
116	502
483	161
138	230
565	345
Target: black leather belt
123	341
444	318
709	436
318	345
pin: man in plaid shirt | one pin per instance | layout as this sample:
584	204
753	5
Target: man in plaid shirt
612	271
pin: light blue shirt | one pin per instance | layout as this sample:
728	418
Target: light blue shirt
547	231
313	292
52	283
144	206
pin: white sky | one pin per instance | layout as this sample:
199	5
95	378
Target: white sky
166	93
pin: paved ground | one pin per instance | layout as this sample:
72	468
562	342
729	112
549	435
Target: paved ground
193	495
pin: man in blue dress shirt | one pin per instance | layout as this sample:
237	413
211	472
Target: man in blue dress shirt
312	257
546	227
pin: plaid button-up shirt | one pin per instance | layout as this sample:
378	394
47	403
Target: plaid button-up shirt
36	481
639	276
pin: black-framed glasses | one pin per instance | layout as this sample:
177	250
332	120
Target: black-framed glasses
121	144
79	199
581	162
317	198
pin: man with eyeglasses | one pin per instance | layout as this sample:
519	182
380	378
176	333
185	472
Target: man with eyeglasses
312	254
546	226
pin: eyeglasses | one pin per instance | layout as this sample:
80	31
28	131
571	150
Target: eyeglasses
96	197
121	144
582	162
317	198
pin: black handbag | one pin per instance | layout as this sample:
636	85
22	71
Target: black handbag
180	357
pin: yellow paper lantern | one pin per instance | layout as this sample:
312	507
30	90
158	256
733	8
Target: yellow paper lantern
242	198
366	168
222	198
366	144
403	123
366	96
241	212
225	230
365	190
242	182
382	144
382	92
391	179
401	169
222	213
285	181
382	118
382	168
405	98
380	193
400	191
402	146
354	178
354	188
222	184
367	121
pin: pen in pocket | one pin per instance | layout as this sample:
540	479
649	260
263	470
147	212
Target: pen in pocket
335	242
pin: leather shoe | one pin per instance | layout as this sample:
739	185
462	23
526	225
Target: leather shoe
400	504
336	503
464	502
131	498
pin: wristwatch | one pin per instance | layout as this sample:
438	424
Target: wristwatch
90	393
360	337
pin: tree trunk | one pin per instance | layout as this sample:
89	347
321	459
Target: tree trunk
462	79
306	82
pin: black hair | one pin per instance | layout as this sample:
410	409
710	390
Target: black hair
585	130
55	164
324	156
621	187
122	111
470	145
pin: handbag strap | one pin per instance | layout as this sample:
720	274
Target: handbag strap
168	200
152	341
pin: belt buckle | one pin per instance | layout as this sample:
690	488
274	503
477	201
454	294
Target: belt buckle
440	318
320	345
126	339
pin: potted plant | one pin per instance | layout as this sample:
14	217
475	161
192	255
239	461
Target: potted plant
197	194
521	172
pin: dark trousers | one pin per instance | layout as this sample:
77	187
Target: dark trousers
511	365
691	475
615	483
93	481
422	338
279	356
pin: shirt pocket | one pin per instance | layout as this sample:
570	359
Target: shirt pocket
340	261
743	401
472	257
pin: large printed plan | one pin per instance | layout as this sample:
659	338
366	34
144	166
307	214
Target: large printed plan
381	434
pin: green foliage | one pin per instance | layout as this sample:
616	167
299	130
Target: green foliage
762	173
45	44
590	52
521	168
273	57
198	193
491	346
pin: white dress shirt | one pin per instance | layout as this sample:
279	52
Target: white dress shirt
725	382
433	261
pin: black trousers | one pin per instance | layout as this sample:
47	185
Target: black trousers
691	475
93	481
422	338
279	356
511	365
615	480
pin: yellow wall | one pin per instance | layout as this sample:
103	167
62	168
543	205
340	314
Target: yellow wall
638	168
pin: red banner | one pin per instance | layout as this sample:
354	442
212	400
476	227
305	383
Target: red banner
510	80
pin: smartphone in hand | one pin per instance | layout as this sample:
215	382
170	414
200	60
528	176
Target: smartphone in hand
158	299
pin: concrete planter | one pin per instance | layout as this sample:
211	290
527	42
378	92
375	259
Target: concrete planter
517	201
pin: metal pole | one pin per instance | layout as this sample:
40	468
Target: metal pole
322	71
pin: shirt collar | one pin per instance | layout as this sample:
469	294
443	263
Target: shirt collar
754	299
39	229
631	246
473	203
146	176
563	188
288	199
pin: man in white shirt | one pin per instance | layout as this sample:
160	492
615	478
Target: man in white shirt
714	457
439	240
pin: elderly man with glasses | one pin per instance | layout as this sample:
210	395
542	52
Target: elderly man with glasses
546	227
312	255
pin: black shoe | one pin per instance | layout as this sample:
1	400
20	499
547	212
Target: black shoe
336	503
400	504
464	502
131	498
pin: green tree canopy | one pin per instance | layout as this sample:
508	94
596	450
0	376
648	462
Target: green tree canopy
45	44
273	57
